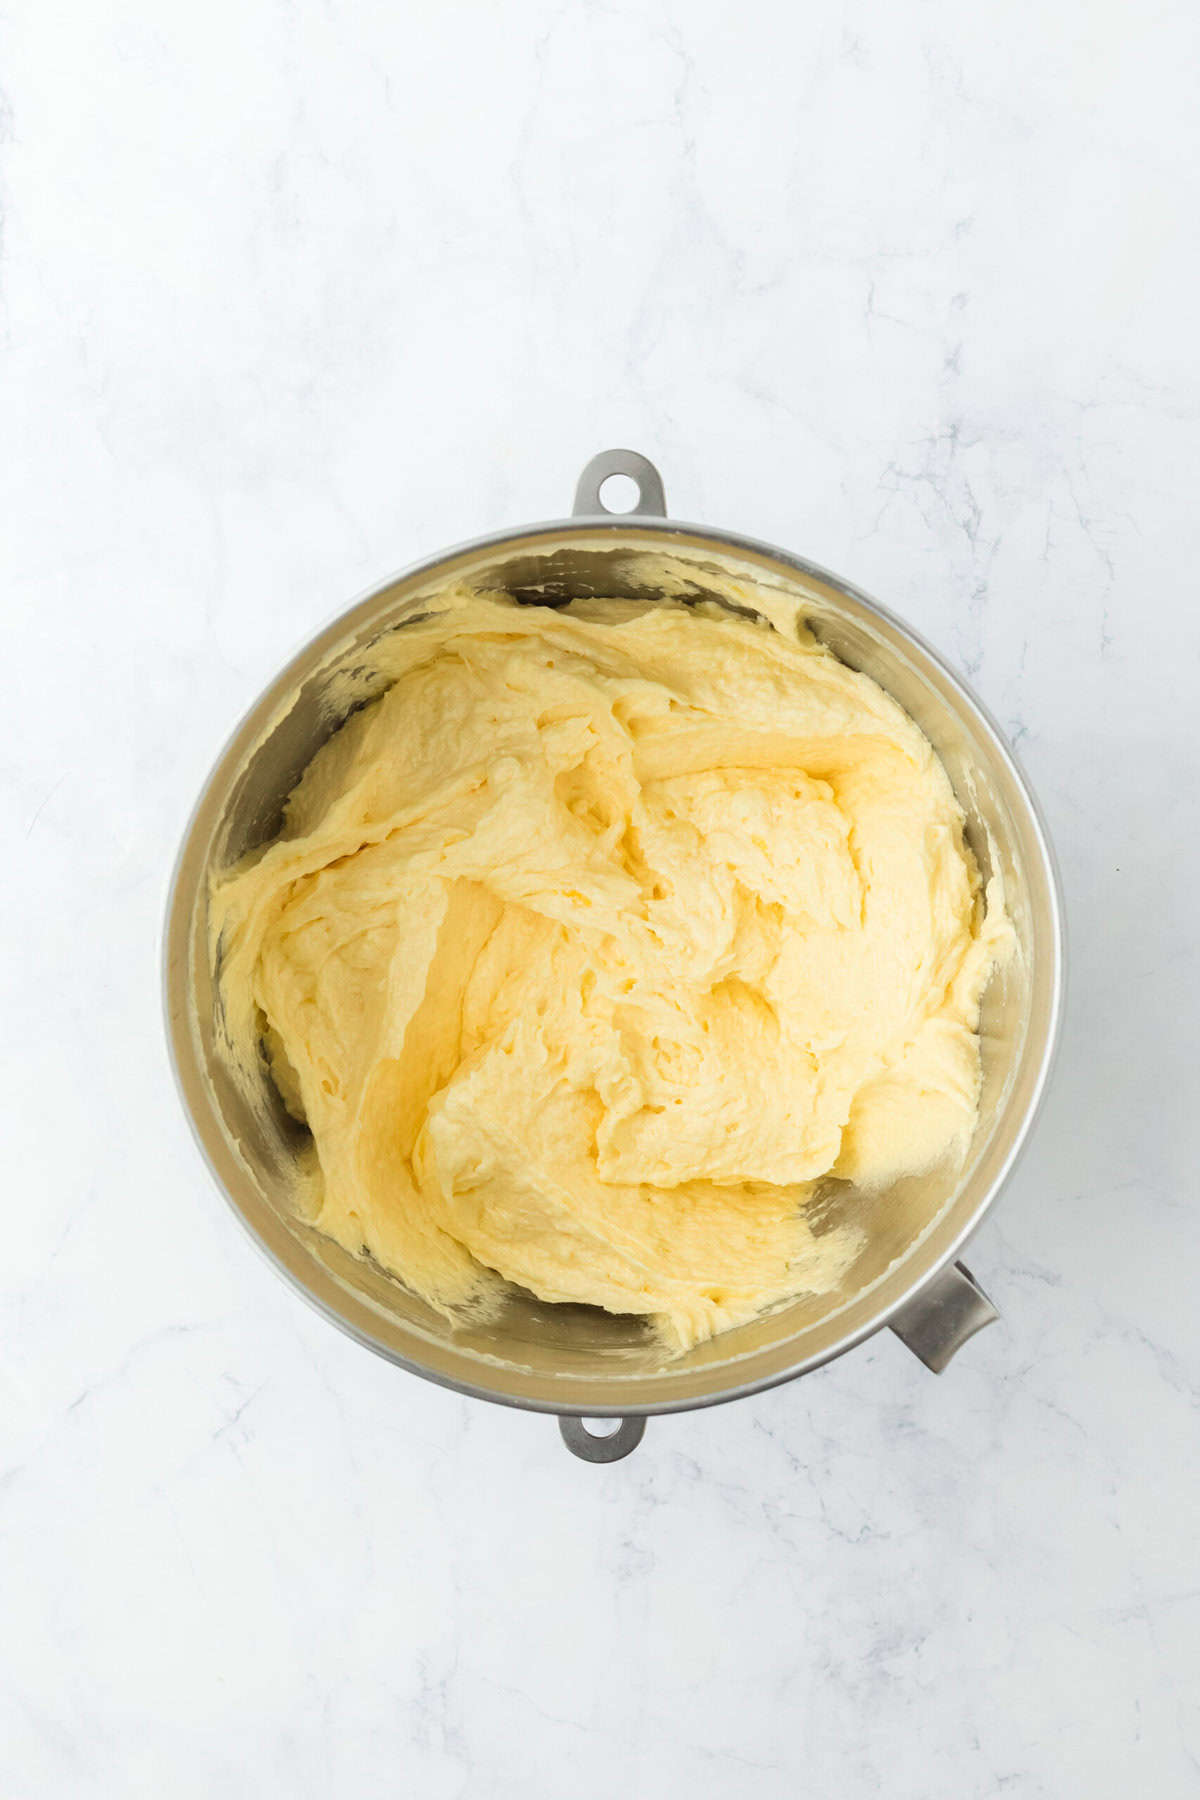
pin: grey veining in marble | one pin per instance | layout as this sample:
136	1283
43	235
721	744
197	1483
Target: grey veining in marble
293	293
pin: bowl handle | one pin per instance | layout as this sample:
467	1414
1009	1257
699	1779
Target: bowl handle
934	1326
591	1447
651	500
941	1318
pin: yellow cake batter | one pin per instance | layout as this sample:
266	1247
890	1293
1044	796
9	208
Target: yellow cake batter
597	942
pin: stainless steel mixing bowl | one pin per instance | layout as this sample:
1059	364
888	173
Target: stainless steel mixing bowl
574	1361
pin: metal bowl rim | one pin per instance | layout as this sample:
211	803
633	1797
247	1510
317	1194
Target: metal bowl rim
179	906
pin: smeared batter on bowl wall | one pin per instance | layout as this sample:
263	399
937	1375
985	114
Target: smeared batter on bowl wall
602	938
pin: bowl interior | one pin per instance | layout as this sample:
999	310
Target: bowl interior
578	1358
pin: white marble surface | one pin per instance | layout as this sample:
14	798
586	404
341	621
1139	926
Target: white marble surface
294	292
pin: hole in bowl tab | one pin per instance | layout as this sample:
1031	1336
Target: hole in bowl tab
619	493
